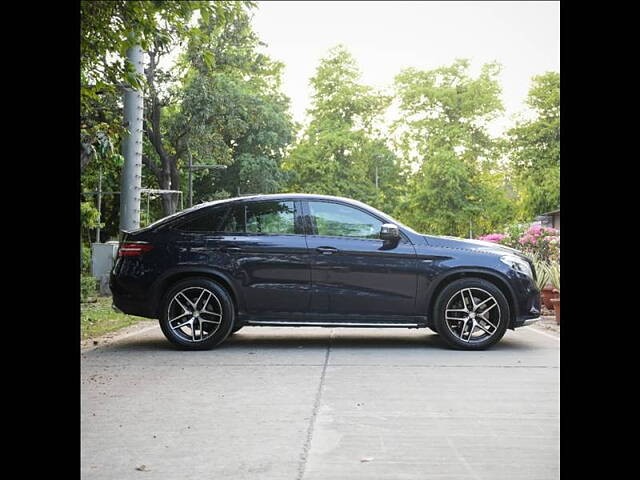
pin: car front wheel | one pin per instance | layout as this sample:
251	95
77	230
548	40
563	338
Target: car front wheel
196	314
471	314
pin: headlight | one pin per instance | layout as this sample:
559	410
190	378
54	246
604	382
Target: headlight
517	264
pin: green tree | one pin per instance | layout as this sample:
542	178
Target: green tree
168	140
160	26
342	145
458	184
237	113
107	29
534	148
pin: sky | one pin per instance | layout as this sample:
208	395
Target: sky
387	36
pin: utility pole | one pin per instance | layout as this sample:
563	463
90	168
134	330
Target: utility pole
99	205
193	167
190	179
132	148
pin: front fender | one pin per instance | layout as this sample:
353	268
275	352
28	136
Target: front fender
438	283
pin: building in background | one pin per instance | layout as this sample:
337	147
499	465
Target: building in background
549	219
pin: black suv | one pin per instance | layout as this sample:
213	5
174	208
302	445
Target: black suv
315	260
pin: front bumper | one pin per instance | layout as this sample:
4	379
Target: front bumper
529	321
526	301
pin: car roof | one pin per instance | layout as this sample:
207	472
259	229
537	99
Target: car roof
265	196
279	196
274	196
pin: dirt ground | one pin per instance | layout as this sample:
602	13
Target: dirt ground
548	322
107	338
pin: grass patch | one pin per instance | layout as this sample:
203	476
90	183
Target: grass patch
98	318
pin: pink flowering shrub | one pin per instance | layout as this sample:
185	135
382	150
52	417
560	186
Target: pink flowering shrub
541	242
493	237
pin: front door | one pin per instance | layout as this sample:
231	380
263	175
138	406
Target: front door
353	271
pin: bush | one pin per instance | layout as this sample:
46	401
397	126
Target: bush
540	242
86	259
542	273
88	287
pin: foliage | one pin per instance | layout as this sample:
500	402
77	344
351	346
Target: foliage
544	242
458	184
493	237
88	215
540	242
554	274
107	30
226	109
88	287
534	148
342	149
86	259
542	272
219	100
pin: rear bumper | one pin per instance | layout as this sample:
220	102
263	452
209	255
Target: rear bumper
131	307
124	301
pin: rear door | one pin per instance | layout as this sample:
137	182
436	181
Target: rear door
267	255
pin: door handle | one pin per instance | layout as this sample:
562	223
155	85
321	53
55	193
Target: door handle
327	250
231	249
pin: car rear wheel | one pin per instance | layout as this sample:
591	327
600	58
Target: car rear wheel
196	314
471	314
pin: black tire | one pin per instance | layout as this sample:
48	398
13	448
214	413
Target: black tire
211	334
489	322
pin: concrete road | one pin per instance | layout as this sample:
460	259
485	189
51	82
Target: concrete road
313	403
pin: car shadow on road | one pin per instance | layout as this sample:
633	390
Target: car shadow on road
349	340
254	338
359	339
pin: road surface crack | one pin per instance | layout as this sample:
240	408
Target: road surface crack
312	421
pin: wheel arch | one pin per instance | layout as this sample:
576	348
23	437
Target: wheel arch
501	283
173	276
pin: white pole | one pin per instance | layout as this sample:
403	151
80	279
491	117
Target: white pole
132	149
99	205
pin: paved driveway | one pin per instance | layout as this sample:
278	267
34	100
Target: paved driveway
313	403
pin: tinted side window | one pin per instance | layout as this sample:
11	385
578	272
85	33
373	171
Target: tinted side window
261	217
206	222
337	220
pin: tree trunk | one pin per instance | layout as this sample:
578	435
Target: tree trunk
166	172
85	157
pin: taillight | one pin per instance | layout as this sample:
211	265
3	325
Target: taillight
133	249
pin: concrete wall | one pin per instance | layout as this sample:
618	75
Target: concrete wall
102	257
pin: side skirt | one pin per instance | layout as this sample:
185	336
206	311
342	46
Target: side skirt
331	321
334	324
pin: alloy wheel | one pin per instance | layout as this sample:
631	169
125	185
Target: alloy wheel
194	314
472	315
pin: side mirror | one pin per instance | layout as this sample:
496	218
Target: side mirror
389	232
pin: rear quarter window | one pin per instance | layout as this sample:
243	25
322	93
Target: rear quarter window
275	218
208	221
